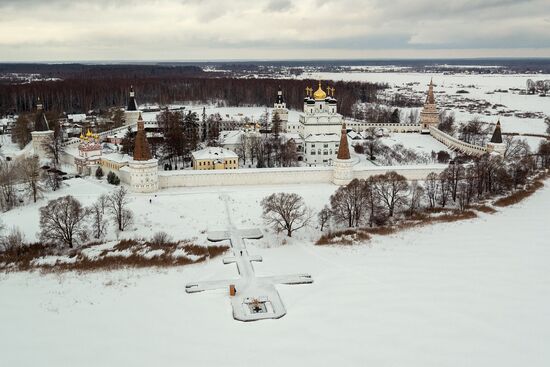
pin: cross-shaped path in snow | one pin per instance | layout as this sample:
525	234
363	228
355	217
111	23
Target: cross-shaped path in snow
256	298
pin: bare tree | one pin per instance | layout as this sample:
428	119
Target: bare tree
127	218
285	212
515	148
324	217
8	194
372	199
372	147
53	147
21	131
13	240
432	188
462	196
416	192
446	122
32	176
453	174
98	211
62	221
53	179
391	187
118	202
444	189
348	203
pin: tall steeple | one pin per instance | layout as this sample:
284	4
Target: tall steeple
132	104
430	99
343	164
142	151
343	149
429	116
40	120
280	99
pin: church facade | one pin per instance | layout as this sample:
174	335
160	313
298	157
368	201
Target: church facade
319	125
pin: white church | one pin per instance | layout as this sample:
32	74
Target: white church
319	126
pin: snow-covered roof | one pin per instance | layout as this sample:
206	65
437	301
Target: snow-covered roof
214	153
77	117
321	138
116	157
6	121
294	136
231	137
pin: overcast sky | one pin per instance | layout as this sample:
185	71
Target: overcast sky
73	30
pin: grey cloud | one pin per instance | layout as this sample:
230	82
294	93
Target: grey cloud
153	28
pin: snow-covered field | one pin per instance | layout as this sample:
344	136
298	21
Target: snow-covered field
473	293
477	85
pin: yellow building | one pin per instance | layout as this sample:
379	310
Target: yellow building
215	158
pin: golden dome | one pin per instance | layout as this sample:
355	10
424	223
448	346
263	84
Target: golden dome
89	133
319	94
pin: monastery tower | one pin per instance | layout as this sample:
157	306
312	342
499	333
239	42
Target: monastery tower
132	113
429	115
280	108
496	145
343	165
143	167
42	135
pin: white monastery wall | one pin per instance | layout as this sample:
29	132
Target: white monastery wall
274	176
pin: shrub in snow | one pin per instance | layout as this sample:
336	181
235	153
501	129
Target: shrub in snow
14	239
99	173
113	179
160	239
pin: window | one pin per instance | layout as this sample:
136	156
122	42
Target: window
313	152
325	152
325	146
313	145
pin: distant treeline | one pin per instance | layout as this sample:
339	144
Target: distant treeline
99	71
85	92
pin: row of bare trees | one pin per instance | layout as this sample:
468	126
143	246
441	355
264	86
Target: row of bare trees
25	179
66	222
379	198
382	198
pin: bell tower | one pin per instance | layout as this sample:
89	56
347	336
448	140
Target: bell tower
429	115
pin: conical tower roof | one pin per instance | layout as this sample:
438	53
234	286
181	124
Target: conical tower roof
343	149
497	134
142	151
430	99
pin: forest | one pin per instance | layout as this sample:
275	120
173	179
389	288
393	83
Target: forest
80	88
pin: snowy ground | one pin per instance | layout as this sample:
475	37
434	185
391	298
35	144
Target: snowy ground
477	85
473	293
